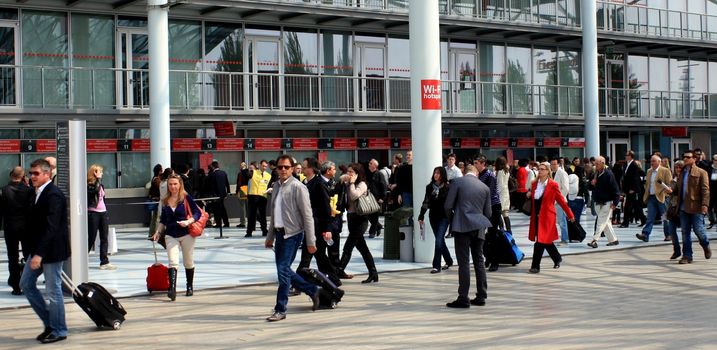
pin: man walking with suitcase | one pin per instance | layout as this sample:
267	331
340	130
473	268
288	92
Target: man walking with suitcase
48	247
291	218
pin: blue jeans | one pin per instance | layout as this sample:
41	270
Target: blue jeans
670	230
562	221
52	314
439	230
576	206
654	209
285	253
692	222
406	199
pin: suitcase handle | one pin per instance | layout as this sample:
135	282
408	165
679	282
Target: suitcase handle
154	250
69	283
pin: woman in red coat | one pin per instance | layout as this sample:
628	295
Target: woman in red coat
544	194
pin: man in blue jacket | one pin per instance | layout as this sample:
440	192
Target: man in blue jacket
48	248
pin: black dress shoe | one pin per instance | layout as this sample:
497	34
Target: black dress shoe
51	339
557	264
44	334
458	304
624	226
493	267
534	270
344	276
371	278
478	302
615	242
247	235
642	237
675	256
592	244
16	292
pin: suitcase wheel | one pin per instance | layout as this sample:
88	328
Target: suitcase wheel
333	305
149	290
513	264
116	325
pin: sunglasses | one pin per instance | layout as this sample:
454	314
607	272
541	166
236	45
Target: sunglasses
283	167
687	157
35	173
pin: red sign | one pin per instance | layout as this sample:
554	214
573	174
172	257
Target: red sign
379	143
552	142
186	145
46	146
406	143
526	142
344	143
501	142
306	144
674	131
470	142
230	144
267	144
140	145
446	143
430	94
101	146
204	160
9	146
224	129
578	142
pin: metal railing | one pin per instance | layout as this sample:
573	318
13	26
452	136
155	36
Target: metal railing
118	89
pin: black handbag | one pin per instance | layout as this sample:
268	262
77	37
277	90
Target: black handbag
576	232
527	206
673	214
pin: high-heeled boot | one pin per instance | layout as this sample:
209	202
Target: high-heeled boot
190	281
172	292
372	272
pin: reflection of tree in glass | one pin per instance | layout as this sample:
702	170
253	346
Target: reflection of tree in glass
295	63
230	60
520	99
45	44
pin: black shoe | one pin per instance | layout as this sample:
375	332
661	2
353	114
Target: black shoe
371	278
241	225
51	339
435	271
378	230
685	260
294	292
247	235
478	302
624	226
710	226
615	242
16	292
592	244
344	276
458	304
315	300
264	233
675	256
642	237
44	334
534	270
493	267
371	235
449	235
446	266
557	264
708	252
641	224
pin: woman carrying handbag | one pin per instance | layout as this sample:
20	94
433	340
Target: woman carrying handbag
173	224
354	182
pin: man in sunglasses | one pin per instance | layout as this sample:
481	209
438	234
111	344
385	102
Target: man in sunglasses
48	247
693	195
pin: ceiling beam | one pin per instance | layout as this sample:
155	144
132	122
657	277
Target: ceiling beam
328	19
251	13
71	3
207	10
361	22
394	25
289	16
123	3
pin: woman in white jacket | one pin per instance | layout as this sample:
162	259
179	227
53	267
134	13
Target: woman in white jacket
502	174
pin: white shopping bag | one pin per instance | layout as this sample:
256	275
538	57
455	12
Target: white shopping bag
111	242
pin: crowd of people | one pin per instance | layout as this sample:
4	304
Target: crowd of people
470	200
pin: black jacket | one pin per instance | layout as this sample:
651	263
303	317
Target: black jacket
605	189
320	207
404	179
434	203
93	194
221	183
15	201
631	179
375	185
48	234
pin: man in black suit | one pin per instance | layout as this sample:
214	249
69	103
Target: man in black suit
15	201
468	204
221	188
48	247
319	197
631	185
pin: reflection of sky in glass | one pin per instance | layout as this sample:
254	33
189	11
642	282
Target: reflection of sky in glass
399	60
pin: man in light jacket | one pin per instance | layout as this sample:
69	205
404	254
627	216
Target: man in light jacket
291	218
657	186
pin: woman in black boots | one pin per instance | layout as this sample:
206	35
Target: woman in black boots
173	224
354	182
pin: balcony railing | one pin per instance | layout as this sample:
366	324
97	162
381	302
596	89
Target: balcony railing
214	92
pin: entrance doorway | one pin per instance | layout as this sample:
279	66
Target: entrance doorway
617	149
680	146
133	60
264	57
371	61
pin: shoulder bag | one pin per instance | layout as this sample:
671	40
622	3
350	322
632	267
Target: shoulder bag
196	228
527	206
367	204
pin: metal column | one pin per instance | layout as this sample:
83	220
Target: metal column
158	28
590	78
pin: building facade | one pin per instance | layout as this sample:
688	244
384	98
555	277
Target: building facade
330	79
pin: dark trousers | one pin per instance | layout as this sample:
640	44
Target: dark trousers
220	212
333	251
538	250
469	244
496	219
12	242
357	227
256	204
633	209
375	225
322	259
98	221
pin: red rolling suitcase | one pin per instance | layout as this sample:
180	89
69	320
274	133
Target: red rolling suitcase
157	275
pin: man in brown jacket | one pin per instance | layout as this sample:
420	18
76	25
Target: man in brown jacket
657	186
693	196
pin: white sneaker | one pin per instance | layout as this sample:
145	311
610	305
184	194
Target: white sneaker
108	267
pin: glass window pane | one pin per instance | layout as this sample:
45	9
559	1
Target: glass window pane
301	57
545	77
518	73
109	165
400	73
224	53
185	52
7	163
337	60
11	134
7	74
134	134
127	21
101	133
136	169
93	47
638	79
44	42
230	162
32	134
9	14
492	76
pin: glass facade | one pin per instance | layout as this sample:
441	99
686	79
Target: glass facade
224	58
185	53
93	87
45	57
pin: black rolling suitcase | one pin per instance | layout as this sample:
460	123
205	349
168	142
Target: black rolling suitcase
104	309
501	249
329	294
